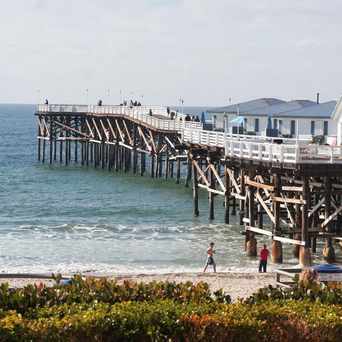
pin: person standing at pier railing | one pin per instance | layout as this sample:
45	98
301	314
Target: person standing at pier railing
210	257
263	259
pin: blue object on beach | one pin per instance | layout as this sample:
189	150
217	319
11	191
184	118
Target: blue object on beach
327	268
65	282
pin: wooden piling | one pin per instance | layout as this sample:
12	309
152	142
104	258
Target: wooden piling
152	165
51	139
304	251
226	195
211	194
277	249
194	190
178	170
188	173
243	194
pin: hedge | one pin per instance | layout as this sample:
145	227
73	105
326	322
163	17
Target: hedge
168	320
102	310
105	291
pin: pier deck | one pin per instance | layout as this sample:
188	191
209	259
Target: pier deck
287	189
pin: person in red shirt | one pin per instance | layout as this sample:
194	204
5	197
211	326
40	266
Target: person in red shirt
263	259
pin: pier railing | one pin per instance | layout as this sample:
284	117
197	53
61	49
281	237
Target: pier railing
266	148
159	118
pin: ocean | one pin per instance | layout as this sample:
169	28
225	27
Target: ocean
78	219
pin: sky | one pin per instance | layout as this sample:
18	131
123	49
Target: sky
206	52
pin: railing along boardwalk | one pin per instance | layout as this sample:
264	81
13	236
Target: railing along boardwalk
158	120
267	149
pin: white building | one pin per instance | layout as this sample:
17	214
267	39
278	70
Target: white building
298	118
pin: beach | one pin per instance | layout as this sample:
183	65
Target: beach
236	284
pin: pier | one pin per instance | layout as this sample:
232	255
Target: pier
287	189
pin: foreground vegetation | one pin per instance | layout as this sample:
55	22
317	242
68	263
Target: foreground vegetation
100	310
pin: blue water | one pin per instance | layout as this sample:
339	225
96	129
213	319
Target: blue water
79	219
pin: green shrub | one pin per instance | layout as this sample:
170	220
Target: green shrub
168	320
101	310
106	291
315	292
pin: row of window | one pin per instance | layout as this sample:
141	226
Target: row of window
278	124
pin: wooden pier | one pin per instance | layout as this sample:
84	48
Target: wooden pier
287	189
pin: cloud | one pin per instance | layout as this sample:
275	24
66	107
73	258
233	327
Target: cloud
205	51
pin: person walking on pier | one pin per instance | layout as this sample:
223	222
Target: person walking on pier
210	257
263	259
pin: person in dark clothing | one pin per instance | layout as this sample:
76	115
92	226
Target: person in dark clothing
210	257
172	115
263	259
197	119
168	111
99	103
150	112
187	118
46	102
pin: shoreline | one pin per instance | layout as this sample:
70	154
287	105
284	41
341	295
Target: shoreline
236	284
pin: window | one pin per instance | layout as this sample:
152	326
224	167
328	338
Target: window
280	125
325	127
293	127
256	125
275	123
312	128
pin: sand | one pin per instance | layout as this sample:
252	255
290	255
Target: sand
237	285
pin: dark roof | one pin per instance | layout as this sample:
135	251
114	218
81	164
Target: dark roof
280	108
321	110
244	107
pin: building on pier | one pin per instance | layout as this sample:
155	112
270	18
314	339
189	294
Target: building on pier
297	118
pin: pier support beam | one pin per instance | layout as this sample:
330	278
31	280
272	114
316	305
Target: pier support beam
195	190
328	250
304	251
251	242
226	195
243	193
178	171
211	194
188	174
277	248
152	165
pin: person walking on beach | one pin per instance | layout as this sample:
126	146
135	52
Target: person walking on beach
210	257
263	259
